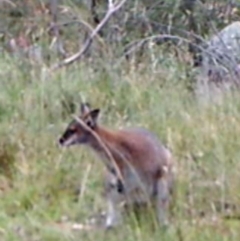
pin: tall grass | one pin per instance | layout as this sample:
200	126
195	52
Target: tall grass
42	195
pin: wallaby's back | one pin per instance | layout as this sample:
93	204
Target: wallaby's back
142	149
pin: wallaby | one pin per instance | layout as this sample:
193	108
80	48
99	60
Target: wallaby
145	165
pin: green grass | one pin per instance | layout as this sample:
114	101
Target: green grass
36	106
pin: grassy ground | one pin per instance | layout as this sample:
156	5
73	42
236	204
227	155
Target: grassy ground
39	181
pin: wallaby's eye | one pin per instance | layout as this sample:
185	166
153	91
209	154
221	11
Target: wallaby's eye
89	123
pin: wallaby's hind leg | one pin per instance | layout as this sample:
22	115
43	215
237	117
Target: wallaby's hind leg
162	202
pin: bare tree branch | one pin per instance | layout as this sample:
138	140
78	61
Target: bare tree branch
138	43
79	22
9	2
112	8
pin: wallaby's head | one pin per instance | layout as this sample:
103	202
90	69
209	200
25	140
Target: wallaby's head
76	133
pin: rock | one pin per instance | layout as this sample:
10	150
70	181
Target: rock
220	68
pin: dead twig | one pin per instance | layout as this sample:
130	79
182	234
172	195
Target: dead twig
10	3
111	158
112	8
105	149
78	22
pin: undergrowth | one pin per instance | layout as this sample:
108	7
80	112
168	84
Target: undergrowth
44	188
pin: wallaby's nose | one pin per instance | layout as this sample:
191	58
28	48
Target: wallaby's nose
61	141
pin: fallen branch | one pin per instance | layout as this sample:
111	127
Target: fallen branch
112	8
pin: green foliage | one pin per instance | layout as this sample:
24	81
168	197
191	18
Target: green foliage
44	189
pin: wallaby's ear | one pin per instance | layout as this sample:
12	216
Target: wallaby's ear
94	115
85	108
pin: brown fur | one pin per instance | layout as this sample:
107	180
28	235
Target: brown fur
131	146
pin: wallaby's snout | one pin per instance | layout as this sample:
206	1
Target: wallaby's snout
75	133
61	141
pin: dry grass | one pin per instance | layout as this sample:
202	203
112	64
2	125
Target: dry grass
51	188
